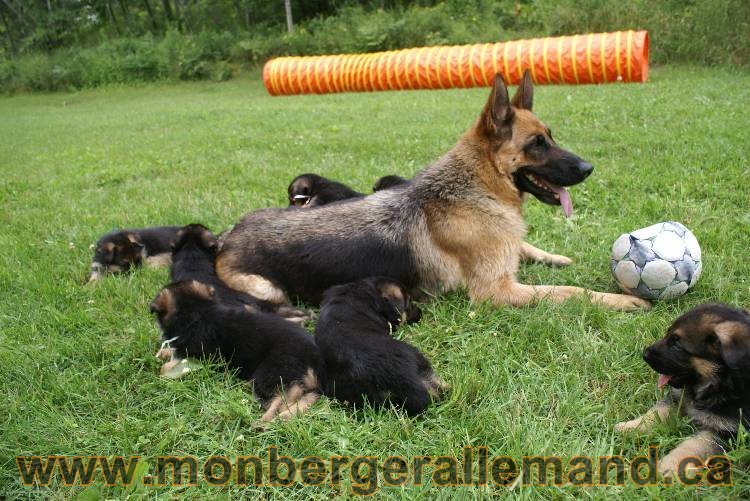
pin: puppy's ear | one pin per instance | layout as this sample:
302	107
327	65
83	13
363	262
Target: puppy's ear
177	239
497	116
135	240
734	339
208	240
106	252
394	301
203	291
524	97
164	304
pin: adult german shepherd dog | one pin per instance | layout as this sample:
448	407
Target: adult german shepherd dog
459	223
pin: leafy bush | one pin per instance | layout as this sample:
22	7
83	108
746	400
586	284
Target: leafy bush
716	32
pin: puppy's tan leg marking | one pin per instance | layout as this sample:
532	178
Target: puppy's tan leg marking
507	291
301	406
170	365
272	409
165	354
283	400
529	253
646	422
162	260
436	387
700	446
257	286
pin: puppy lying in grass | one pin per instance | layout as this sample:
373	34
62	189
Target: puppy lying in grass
312	190
363	362
122	250
389	181
193	257
279	358
705	358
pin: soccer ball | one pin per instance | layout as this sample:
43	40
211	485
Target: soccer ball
661	261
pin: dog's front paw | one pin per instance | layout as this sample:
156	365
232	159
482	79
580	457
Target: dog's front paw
625	302
558	260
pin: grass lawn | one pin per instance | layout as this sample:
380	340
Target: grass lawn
77	372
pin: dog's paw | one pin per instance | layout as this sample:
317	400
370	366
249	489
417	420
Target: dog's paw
624	302
558	260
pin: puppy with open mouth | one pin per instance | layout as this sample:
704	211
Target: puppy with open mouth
122	250
705	360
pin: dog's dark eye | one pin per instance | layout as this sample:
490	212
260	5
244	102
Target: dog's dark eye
540	141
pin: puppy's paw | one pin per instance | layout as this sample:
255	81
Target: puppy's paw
625	426
165	354
558	260
436	387
261	425
295	315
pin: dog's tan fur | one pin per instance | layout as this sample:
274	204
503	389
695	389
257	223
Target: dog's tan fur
468	230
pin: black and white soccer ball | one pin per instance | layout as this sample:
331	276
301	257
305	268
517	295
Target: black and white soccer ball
661	261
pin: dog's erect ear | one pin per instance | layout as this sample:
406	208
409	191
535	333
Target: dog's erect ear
135	240
497	115
524	97
734	338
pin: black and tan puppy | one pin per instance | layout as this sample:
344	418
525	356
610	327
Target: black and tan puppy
388	181
193	257
705	359
457	224
312	190
122	250
363	362
279	358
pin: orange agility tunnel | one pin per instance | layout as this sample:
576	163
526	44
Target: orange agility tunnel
579	59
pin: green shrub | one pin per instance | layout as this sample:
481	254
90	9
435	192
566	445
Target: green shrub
702	32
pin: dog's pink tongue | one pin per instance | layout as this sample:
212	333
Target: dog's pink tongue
565	201
663	380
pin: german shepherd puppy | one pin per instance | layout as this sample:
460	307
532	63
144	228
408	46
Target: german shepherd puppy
279	358
193	256
458	223
122	250
388	181
312	190
705	358
363	362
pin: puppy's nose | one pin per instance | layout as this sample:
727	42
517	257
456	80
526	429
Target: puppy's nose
648	354
585	169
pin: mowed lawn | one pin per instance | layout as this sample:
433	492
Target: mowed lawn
77	371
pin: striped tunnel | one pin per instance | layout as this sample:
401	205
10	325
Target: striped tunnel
579	59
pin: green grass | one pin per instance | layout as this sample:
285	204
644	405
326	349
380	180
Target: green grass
77	371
